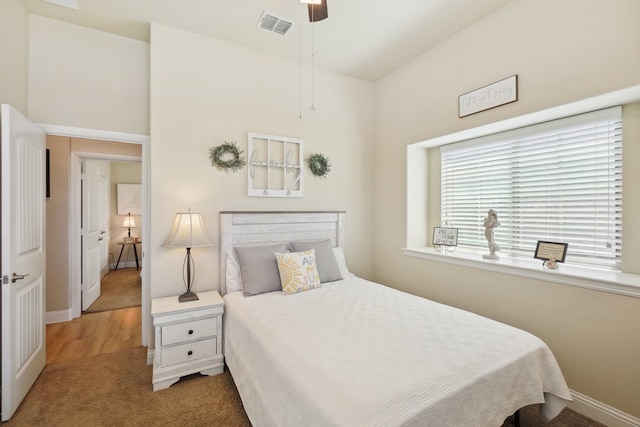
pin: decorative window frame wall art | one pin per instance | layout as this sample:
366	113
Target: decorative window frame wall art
275	167
494	95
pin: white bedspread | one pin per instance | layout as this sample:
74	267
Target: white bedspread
354	353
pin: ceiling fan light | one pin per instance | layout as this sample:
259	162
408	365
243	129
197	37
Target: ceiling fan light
318	12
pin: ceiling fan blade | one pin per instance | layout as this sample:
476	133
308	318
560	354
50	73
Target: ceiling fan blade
318	12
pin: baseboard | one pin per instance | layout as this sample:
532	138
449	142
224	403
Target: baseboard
150	354
601	412
58	316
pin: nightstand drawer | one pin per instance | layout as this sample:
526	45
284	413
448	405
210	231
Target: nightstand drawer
182	332
188	337
187	352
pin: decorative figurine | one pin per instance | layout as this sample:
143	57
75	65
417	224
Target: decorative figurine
491	222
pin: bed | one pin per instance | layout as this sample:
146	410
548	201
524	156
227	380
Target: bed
355	353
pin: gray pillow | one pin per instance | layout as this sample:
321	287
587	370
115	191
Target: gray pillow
259	268
325	259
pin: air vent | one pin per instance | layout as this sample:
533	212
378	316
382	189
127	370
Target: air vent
275	24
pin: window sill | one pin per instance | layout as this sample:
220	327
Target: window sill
584	277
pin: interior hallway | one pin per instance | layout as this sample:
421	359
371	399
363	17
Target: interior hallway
92	334
111	324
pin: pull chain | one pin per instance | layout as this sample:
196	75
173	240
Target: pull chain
313	107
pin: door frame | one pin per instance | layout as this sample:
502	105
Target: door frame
75	302
75	219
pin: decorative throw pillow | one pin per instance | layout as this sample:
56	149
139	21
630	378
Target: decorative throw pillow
342	263
298	271
233	277
259	269
325	259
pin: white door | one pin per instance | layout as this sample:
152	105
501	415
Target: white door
23	256
104	226
91	236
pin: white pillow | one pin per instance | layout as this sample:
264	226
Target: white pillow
298	271
342	263
233	276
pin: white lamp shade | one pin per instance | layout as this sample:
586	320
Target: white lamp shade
128	222
311	1
188	232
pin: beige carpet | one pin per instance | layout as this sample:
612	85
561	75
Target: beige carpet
115	390
119	289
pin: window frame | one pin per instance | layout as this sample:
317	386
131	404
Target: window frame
511	161
418	225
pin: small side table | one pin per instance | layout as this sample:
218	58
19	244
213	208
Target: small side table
135	252
188	338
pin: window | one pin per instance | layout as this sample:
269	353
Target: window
558	181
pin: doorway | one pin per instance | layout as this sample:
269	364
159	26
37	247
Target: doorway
89	148
111	320
112	234
112	225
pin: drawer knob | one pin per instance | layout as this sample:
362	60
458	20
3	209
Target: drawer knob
190	331
189	352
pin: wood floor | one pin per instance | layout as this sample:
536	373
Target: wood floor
94	333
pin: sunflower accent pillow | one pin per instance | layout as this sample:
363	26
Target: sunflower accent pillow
298	271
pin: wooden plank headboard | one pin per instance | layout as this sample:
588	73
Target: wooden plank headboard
266	228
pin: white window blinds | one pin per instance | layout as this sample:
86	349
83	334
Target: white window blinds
558	181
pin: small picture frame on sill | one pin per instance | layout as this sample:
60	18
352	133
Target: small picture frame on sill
551	253
445	238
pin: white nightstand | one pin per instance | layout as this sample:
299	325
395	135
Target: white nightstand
188	338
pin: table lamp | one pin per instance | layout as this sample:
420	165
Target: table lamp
188	232
129	223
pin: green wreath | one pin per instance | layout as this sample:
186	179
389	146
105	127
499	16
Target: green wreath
319	164
229	151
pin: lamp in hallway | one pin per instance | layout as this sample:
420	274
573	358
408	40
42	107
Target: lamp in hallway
128	223
188	232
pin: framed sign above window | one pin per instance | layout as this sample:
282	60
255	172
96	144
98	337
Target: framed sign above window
499	93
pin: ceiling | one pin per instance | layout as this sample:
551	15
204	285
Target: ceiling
366	39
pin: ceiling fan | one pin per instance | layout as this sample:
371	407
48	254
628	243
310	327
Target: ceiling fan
317	9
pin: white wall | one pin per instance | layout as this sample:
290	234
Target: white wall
81	78
86	78
205	92
14	59
562	52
